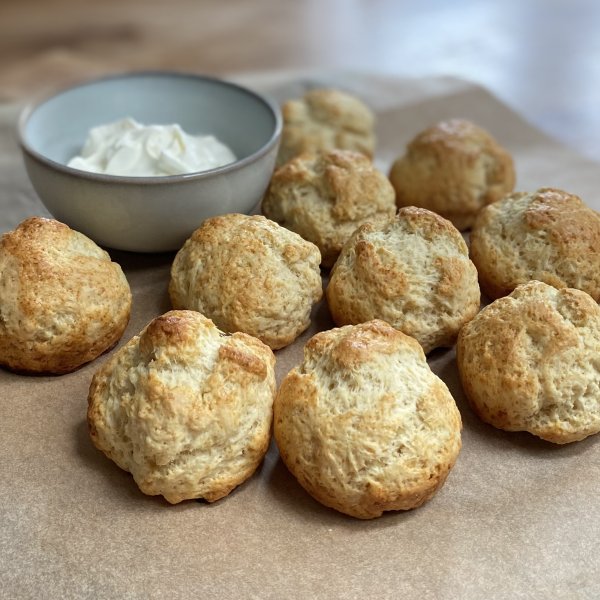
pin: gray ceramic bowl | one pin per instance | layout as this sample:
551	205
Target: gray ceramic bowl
149	214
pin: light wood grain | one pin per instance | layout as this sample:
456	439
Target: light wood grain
540	56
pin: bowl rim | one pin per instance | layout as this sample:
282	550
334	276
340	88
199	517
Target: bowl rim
33	105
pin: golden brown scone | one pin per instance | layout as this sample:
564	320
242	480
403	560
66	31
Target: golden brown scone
248	274
324	197
548	235
186	409
414	272
325	119
453	168
62	301
531	362
364	424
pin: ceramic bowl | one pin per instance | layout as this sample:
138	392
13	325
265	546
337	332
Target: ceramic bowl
149	214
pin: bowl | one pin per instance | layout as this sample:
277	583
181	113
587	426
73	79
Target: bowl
149	214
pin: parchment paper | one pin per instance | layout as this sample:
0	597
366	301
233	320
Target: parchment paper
517	518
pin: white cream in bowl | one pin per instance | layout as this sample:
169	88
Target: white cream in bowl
149	214
128	148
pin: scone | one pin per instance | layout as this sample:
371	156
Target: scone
364	424
531	362
453	168
414	272
248	274
325	119
62	301
324	197
186	409
548	235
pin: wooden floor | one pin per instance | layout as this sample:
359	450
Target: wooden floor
540	56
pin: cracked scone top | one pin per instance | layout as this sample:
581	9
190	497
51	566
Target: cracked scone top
248	274
324	119
62	301
186	409
324	197
453	168
364	424
531	362
413	272
548	235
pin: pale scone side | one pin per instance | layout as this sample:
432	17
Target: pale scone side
184	408
364	424
531	362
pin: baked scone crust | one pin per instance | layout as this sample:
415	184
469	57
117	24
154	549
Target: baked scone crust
186	409
62	301
453	168
363	423
248	274
324	119
531	362
548	235
324	197
414	273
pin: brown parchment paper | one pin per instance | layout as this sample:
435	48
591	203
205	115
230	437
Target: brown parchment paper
517	518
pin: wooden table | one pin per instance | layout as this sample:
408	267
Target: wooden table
539	56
